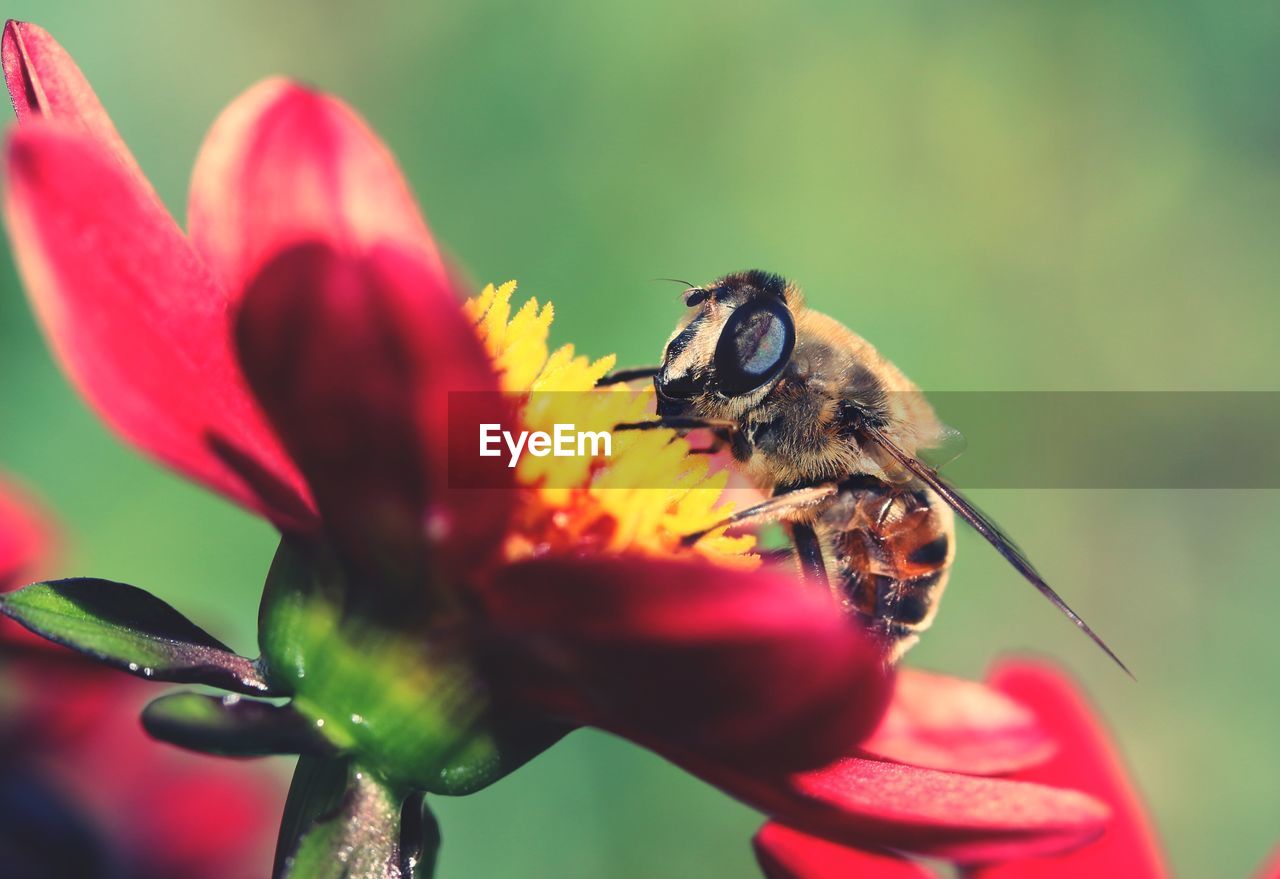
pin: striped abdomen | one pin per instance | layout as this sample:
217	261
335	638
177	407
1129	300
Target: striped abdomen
888	549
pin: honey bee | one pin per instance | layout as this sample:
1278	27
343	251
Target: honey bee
814	415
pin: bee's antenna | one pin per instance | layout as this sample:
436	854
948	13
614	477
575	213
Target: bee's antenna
678	281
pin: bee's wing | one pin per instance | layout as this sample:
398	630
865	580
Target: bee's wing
948	445
989	530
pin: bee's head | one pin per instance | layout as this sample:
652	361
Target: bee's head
733	345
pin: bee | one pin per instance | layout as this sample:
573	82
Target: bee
815	416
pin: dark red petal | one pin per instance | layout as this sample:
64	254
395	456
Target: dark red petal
868	803
1085	760
24	534
939	722
738	664
785	853
353	358
136	320
284	164
44	81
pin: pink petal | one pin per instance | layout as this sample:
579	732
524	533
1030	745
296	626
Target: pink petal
136	320
1086	760
24	534
284	164
868	803
747	666
354	359
44	82
938	722
166	812
785	853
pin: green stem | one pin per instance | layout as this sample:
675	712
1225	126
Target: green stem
359	833
317	789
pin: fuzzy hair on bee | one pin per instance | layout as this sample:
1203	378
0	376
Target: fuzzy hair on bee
796	421
815	415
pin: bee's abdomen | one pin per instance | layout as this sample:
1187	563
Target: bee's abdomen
891	549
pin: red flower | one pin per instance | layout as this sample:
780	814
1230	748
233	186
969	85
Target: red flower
1088	761
350	334
1084	759
82	790
944	806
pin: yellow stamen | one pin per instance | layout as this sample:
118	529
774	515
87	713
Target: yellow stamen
576	502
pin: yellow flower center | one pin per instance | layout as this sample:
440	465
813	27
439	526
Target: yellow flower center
592	501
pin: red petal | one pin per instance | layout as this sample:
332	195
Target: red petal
136	320
54	699
938	722
1085	760
24	534
284	164
688	655
44	81
165	811
353	358
868	803
198	817
785	853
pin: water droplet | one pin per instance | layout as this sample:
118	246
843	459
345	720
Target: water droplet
148	672
319	722
133	666
438	525
230	699
356	718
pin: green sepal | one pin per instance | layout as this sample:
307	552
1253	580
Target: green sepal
404	702
232	726
130	629
419	839
492	754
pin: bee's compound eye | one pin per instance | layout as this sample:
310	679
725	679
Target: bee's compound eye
755	344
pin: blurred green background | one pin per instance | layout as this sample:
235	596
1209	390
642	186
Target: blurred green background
1001	195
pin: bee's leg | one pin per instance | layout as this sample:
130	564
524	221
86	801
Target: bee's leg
789	506
628	375
809	553
680	422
